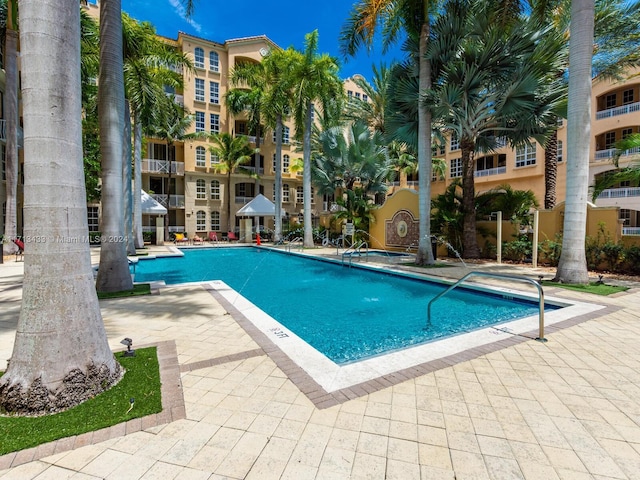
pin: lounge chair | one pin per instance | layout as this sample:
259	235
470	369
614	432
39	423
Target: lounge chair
197	239
20	245
213	237
180	238
232	237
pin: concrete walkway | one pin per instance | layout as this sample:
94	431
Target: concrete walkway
565	409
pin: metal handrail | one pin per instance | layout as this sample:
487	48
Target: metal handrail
297	239
499	276
355	248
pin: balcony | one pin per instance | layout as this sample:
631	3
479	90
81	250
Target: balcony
614	112
243	200
611	152
490	171
150	165
251	138
177	201
259	170
624	192
631	230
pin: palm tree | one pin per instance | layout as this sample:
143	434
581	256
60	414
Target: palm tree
572	267
372	111
317	81
233	153
113	272
272	78
487	88
61	355
149	65
413	16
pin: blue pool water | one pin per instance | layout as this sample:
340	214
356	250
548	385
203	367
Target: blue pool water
345	313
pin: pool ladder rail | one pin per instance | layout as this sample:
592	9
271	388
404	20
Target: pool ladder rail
502	276
293	242
356	249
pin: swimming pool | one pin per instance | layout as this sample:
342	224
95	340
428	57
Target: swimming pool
347	314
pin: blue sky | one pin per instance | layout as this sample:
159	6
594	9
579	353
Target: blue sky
284	21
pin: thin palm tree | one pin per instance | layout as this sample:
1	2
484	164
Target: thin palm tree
232	153
372	110
61	356
414	17
317	85
572	266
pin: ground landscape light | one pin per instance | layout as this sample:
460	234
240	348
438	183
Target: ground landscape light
130	352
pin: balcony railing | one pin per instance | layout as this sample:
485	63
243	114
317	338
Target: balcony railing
611	152
490	171
177	201
623	192
254	169
251	138
631	230
243	200
614	112
150	165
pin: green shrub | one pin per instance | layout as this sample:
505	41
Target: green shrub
518	250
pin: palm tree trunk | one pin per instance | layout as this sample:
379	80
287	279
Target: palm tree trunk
11	147
137	182
424	256
113	274
168	160
306	178
257	173
61	355
550	170
278	181
572	267
126	181
228	195
469	238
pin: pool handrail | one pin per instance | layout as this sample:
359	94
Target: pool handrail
355	248
297	239
503	276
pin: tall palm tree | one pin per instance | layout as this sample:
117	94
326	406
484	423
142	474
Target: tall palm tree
233	153
371	110
272	78
317	85
414	17
113	272
572	267
61	355
487	88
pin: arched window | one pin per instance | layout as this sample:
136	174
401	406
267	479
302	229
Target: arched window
215	221
198	57
201	221
285	163
214	61
215	190
201	189
201	157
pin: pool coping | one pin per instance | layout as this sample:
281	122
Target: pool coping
301	365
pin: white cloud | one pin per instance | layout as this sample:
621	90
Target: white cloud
180	10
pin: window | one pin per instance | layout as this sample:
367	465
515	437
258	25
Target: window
456	168
627	96
201	221
525	155
299	195
214	62
626	132
92	218
285	163
215	221
454	143
559	151
201	190
274	162
199	92
625	215
358	95
214	159
285	135
198	57
349	94
201	157
214	92
285	192
199	121
313	196
609	140
158	151
313	112
611	100
365	98
215	122
215	190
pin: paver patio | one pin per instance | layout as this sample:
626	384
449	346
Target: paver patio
565	409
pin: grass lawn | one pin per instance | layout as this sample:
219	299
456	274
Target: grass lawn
141	382
593	287
139	289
